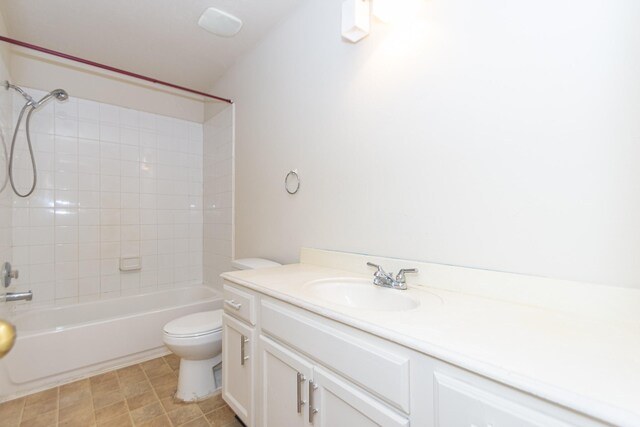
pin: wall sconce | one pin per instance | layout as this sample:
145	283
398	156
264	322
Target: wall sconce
355	19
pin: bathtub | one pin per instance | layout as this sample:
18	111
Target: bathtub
60	344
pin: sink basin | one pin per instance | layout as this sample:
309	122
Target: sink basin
359	294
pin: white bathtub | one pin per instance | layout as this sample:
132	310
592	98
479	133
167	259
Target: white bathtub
60	344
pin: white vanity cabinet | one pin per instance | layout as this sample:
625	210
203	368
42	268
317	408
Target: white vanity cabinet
302	369
238	353
296	392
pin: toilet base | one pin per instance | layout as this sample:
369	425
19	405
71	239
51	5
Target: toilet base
196	380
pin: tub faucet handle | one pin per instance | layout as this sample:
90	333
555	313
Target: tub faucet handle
7	274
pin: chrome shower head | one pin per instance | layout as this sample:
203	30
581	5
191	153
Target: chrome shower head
59	94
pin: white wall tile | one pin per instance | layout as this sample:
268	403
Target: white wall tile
113	182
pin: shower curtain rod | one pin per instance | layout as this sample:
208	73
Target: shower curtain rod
109	68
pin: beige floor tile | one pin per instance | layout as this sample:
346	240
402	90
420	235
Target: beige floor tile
153	364
121	398
47	419
13	421
221	416
160	370
147	413
74	386
123	420
165	391
212	403
84	419
46	395
198	422
103	377
137	388
132	378
170	404
173	361
141	400
111	411
168	378
185	413
10	412
129	371
106	386
161	421
104	400
68	398
40	407
75	410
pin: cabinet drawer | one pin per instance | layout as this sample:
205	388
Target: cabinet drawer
239	304
383	373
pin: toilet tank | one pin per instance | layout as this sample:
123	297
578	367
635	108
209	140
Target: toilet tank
253	263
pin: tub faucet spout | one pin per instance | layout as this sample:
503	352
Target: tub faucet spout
18	296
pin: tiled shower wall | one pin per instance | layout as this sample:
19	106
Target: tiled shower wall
5	192
218	196
112	183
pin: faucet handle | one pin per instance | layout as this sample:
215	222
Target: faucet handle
370	264
380	273
380	270
400	276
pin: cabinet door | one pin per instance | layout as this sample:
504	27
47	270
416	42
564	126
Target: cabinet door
285	377
341	404
238	367
459	403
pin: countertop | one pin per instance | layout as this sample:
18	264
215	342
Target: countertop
590	366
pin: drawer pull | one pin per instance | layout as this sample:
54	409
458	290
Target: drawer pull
243	341
231	303
301	379
312	410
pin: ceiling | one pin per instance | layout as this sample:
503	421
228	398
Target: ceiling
157	38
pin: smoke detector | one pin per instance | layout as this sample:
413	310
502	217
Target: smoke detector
220	23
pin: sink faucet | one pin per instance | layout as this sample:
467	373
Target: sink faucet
386	280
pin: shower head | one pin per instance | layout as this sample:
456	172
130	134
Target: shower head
59	94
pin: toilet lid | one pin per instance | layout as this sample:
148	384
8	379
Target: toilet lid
195	324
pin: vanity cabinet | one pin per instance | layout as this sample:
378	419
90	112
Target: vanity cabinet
302	369
297	392
238	353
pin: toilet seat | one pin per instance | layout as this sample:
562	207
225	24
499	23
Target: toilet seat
194	325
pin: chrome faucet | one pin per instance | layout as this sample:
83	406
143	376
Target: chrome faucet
17	296
386	280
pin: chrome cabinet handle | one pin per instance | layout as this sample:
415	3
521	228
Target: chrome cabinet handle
243	341
301	379
231	303
312	410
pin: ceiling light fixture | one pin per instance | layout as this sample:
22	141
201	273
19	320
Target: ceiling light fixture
219	22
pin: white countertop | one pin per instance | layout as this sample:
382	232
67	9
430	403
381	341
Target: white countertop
591	366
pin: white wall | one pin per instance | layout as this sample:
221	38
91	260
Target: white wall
112	182
500	135
218	196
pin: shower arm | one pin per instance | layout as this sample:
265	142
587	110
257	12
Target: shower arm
26	96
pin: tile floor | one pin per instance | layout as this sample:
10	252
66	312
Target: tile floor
138	395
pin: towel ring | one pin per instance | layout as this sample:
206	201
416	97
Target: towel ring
292	180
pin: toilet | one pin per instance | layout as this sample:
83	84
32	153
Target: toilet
197	340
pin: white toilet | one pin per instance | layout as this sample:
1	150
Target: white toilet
197	340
